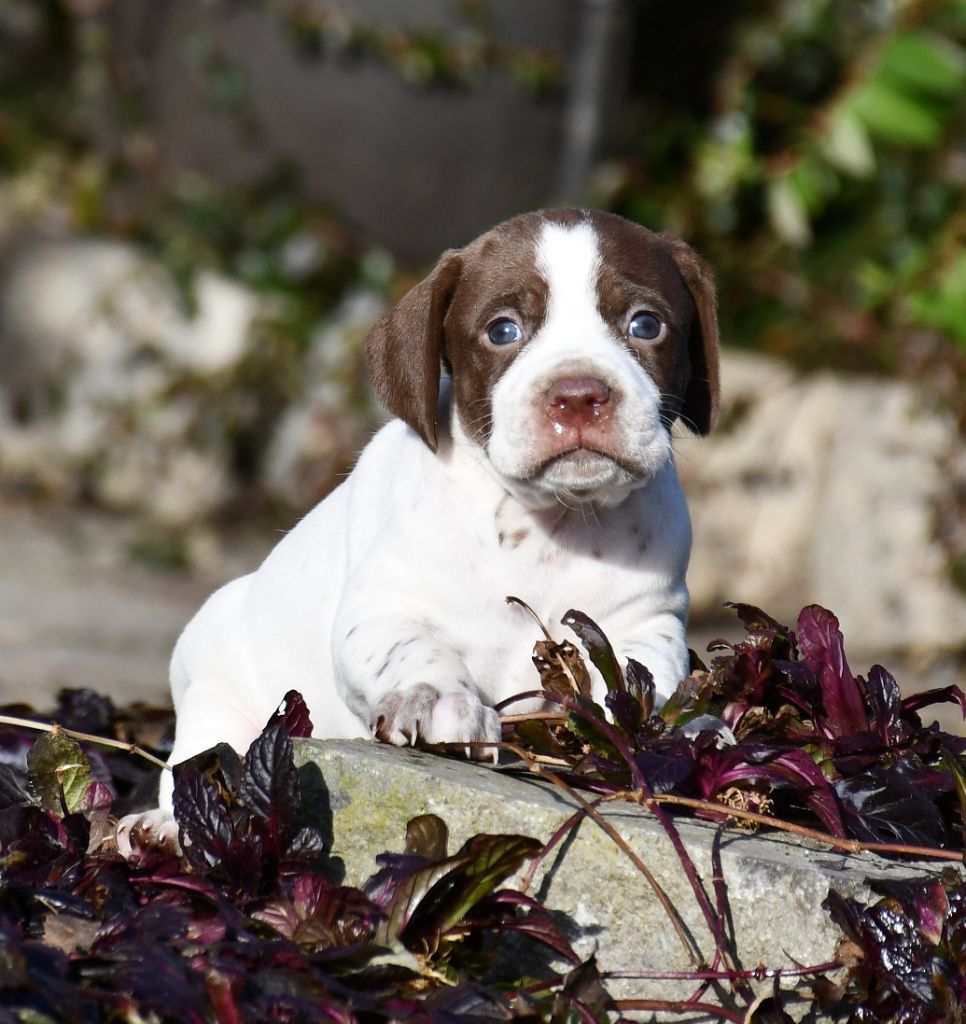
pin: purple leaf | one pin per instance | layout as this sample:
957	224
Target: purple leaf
944	695
202	812
537	923
925	898
424	900
294	713
269	783
894	805
427	836
640	685
756	622
885	703
780	769
597	646
667	763
625	710
822	648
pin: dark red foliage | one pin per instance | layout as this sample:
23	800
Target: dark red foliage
788	727
911	953
250	925
791	731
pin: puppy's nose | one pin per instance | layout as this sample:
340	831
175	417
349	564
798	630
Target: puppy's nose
578	401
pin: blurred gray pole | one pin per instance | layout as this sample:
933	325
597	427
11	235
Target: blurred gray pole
596	22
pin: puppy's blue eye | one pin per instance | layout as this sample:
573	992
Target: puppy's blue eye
504	332
645	326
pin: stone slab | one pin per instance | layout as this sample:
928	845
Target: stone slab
776	884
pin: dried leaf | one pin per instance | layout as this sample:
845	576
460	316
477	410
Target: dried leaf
563	673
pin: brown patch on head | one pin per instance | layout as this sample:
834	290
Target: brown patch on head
641	270
445	318
499	279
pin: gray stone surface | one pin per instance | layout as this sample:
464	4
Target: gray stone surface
776	884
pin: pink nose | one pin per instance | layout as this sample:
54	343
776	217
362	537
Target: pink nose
578	401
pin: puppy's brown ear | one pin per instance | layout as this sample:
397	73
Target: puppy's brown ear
699	410
404	349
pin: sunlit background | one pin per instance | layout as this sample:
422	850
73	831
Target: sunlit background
206	203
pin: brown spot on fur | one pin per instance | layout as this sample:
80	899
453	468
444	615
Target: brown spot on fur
514	538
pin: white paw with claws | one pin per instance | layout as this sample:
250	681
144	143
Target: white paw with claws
421	713
150	831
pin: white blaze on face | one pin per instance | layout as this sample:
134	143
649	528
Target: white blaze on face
569	261
574	340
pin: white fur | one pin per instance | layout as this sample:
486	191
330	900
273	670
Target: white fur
398	579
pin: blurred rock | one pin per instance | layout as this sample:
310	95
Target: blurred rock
319	435
824	489
108	382
76	610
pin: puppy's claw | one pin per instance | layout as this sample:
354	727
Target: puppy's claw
404	717
138	834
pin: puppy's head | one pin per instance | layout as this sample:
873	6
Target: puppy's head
574	339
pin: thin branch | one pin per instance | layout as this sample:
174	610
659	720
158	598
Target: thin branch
679	1006
571	823
754	974
849	845
714	922
544	716
83	737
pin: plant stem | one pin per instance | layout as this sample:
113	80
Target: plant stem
755	974
714	922
679	1006
571	823
849	845
83	737
588	808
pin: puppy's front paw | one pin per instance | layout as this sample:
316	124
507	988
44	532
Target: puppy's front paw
407	715
151	831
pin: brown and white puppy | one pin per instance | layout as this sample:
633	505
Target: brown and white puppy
538	465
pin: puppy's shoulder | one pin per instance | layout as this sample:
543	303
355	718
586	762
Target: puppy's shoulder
394	451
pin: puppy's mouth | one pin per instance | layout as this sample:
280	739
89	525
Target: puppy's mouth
581	470
581	458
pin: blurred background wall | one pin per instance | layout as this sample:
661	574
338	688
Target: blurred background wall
206	203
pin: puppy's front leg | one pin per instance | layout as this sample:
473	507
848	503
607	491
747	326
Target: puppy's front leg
664	652
660	645
410	685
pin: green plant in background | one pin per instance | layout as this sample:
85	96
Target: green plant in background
824	179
